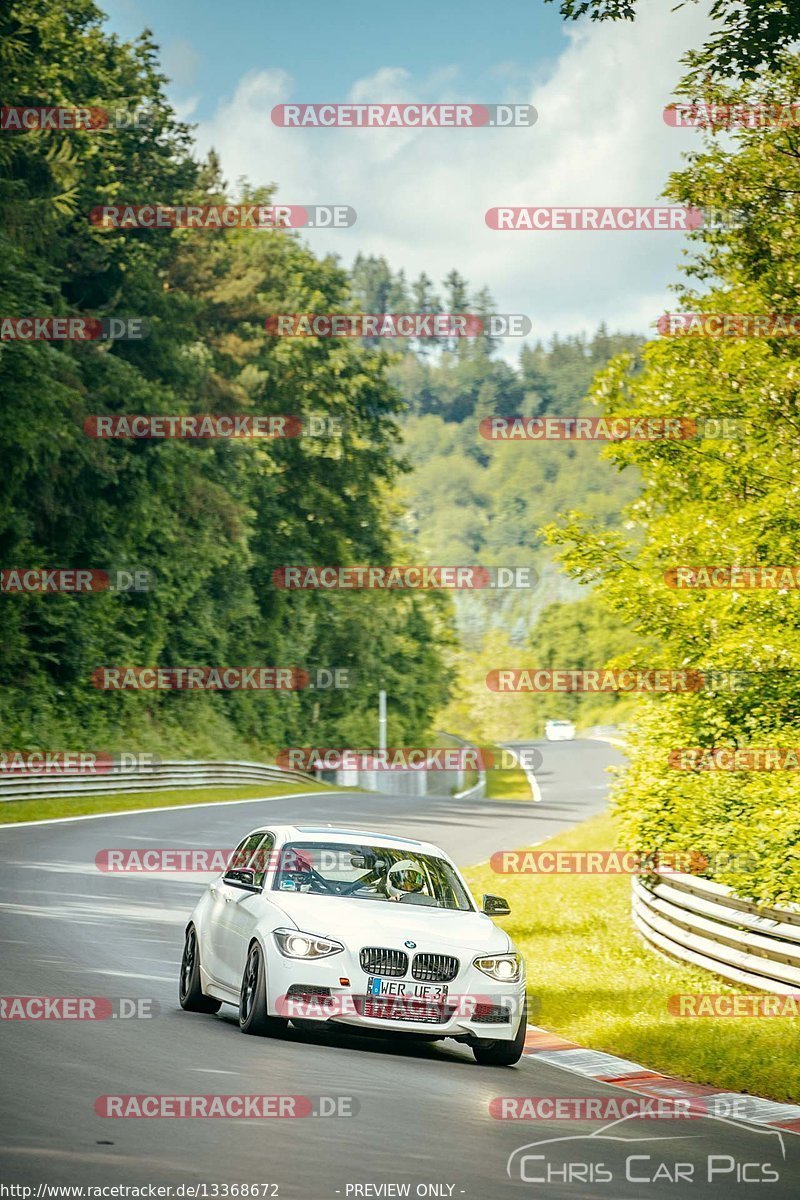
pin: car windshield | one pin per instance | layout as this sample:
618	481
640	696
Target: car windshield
364	872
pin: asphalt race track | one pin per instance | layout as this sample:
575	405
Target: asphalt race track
67	929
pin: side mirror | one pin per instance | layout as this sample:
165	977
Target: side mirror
495	906
244	878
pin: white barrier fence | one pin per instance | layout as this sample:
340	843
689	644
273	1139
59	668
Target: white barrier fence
703	923
459	783
410	783
145	777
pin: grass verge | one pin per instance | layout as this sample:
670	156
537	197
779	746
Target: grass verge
510	784
61	806
597	983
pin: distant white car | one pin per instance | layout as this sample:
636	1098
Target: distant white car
559	731
314	924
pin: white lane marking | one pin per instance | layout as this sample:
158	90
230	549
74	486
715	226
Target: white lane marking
533	782
113	898
139	837
212	1071
94	1156
125	974
135	812
182	879
114	910
469	791
58	868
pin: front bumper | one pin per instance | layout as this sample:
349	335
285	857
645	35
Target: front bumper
470	997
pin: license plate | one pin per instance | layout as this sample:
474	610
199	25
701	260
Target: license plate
410	991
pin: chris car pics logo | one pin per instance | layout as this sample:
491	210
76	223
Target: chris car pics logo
620	1157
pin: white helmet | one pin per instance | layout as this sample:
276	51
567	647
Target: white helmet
403	877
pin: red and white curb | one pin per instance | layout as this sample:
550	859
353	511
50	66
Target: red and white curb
548	1047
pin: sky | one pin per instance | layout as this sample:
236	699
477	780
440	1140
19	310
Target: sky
420	195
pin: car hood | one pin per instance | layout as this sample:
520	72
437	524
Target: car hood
360	923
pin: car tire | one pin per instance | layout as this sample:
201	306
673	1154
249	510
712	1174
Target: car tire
253	1015
190	994
502	1054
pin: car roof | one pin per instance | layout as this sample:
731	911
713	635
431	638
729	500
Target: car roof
336	833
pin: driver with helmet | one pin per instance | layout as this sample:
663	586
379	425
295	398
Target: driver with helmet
404	879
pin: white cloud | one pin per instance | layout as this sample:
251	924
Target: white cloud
421	195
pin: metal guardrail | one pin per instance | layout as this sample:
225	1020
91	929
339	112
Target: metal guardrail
703	923
197	773
145	777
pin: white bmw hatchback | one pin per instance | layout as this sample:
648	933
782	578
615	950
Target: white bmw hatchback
319	925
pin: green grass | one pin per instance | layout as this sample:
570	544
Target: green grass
500	785
507	785
598	984
60	806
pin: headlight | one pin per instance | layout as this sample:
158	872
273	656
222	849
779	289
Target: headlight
294	944
505	968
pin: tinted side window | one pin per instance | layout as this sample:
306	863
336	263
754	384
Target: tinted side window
259	860
243	851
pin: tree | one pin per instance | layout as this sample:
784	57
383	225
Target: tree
425	300
750	37
209	519
714	499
